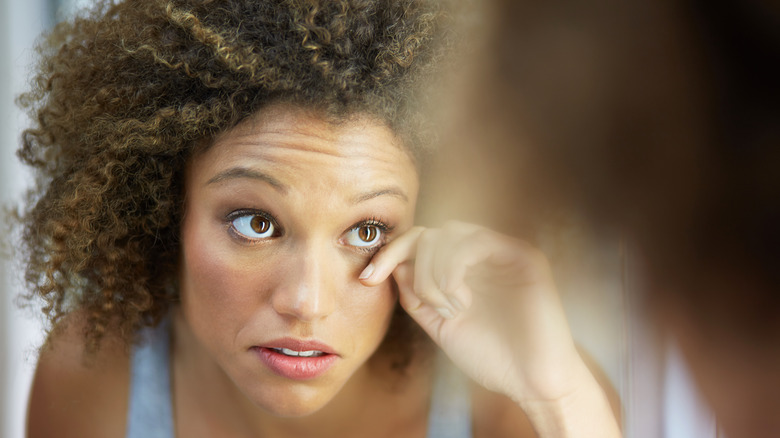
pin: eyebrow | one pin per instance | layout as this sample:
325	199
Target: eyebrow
243	172
388	191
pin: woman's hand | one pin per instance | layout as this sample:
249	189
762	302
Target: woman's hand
489	301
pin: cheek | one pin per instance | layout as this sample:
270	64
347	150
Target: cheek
371	310
218	290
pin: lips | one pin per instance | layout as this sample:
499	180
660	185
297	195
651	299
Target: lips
296	359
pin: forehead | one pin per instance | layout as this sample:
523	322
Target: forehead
299	147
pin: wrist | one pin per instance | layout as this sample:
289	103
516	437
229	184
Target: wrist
583	411
550	381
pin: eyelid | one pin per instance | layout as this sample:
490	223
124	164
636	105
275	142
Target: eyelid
235	214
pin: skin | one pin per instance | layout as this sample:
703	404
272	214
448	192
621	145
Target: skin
490	302
316	184
316	276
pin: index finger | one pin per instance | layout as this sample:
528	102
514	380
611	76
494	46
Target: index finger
391	255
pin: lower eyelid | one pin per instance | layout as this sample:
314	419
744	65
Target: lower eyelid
241	237
369	250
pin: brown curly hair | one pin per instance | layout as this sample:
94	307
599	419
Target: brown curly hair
124	92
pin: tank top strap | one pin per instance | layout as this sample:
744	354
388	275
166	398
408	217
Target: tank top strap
150	414
450	415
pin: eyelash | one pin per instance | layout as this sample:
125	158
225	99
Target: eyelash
373	221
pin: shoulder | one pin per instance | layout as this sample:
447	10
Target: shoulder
495	415
77	394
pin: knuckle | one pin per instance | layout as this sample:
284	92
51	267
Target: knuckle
434	299
536	255
417	229
423	293
428	236
482	235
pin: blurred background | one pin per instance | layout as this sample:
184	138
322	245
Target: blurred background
597	279
21	23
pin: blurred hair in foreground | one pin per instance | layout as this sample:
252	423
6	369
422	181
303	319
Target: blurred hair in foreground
658	121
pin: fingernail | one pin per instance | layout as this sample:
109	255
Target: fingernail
456	304
445	312
367	272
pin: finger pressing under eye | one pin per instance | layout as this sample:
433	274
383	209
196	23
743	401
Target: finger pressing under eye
391	255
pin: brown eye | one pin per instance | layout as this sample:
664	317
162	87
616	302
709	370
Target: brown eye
367	233
260	224
365	236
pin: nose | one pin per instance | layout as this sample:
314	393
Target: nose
308	291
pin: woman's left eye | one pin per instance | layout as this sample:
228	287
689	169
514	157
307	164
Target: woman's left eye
365	235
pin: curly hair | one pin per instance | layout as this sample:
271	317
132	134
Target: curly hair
125	92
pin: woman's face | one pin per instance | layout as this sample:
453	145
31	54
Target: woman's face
282	214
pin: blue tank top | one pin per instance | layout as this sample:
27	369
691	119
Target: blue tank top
150	413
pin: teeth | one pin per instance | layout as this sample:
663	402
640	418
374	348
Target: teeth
308	353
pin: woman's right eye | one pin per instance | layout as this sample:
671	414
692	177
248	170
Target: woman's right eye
254	226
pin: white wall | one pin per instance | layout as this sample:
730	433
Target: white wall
20	23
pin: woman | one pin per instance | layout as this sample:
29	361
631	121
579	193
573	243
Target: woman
224	226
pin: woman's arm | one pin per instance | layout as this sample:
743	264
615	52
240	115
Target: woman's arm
496	415
489	301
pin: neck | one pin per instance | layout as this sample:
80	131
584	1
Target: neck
202	391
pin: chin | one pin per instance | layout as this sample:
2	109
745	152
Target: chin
293	401
294	410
